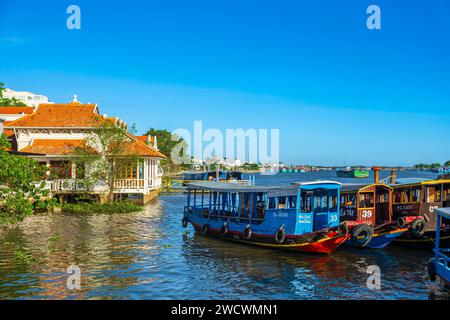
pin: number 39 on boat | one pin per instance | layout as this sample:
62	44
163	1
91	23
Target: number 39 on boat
301	217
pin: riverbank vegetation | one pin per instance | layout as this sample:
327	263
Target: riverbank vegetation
20	195
104	208
431	166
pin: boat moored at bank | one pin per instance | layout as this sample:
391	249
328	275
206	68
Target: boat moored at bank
439	266
369	208
414	201
302	217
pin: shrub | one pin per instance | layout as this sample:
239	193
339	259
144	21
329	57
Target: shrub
108	208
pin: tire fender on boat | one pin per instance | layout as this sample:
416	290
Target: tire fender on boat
343	229
418	227
248	233
224	228
205	229
360	230
401	221
280	235
184	222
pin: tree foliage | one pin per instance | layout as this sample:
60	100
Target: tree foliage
20	189
106	155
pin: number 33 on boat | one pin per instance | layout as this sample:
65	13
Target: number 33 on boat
300	217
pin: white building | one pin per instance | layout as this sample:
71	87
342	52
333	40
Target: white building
51	135
29	98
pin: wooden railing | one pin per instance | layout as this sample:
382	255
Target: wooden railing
120	184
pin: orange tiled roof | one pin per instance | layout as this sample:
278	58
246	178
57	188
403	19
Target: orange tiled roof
16	110
145	138
68	147
54	146
8	132
137	147
60	115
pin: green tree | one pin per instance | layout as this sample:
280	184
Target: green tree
20	187
106	155
169	143
447	164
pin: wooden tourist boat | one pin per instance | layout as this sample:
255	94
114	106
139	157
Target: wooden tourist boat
352	173
414	201
302	217
368	207
439	266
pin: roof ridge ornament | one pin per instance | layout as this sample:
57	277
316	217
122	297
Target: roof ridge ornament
75	99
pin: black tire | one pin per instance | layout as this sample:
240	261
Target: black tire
280	235
248	233
418	227
224	230
401	222
362	235
205	229
184	222
431	269
343	229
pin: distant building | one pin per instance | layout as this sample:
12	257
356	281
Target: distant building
29	98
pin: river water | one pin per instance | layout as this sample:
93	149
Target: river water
148	255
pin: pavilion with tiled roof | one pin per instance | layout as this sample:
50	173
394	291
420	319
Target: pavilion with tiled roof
51	134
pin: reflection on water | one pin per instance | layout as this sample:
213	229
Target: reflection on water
148	255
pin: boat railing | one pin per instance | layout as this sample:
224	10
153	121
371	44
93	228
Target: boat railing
232	215
442	257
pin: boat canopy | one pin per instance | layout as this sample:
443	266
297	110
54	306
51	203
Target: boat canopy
444	212
286	190
418	181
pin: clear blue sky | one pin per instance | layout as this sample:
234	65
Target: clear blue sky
337	91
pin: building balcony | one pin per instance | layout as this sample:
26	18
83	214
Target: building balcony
120	185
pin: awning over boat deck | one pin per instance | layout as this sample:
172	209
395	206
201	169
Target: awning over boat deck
418	181
287	190
444	212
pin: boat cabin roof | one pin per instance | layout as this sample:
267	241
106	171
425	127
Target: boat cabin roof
444	212
318	183
287	190
355	187
418	181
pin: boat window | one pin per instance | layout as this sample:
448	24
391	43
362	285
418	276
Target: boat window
349	200
446	193
334	202
404	195
415	194
366	200
281	202
271	203
325	202
433	193
305	202
292	202
383	197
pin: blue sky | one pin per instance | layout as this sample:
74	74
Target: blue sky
338	92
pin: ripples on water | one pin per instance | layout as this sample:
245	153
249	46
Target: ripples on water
148	255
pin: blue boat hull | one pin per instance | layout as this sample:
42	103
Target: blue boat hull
381	240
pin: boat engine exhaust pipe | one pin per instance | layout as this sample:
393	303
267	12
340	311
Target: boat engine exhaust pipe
392	178
376	174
